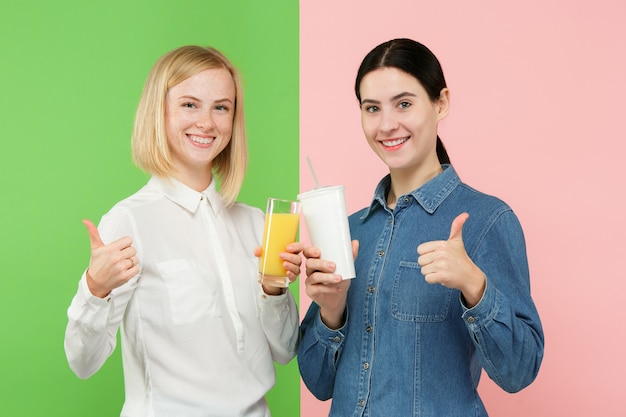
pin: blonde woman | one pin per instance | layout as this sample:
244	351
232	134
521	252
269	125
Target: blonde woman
174	264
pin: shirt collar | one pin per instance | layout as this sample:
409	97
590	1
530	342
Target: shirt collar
186	197
429	196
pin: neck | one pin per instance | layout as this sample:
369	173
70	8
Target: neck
196	180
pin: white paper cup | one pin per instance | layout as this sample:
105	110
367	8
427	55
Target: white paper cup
324	211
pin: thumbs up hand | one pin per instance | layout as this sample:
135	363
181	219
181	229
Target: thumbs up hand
110	265
446	262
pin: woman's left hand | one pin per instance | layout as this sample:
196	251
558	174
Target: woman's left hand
446	262
291	262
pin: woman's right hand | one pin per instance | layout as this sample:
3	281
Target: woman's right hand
326	288
110	265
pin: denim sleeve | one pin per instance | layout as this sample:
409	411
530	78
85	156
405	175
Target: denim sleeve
505	325
318	353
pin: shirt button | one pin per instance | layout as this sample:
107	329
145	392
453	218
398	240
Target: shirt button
368	329
371	289
336	339
361	403
406	199
471	319
366	366
381	253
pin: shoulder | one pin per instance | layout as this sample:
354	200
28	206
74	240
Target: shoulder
245	216
466	195
145	195
488	214
248	221
119	220
244	211
359	213
141	197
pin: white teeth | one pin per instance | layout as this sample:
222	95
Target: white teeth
394	142
202	141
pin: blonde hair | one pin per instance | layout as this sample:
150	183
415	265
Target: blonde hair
149	144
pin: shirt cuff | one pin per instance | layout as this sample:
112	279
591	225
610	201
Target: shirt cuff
484	310
88	297
327	336
277	299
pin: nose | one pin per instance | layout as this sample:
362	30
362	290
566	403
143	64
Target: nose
388	121
205	120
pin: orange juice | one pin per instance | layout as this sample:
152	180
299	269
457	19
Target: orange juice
280	230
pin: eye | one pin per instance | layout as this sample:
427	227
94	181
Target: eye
222	107
189	105
404	105
371	109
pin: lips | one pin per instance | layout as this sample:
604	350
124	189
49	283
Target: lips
391	143
200	140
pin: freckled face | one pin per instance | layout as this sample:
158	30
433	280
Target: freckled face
199	115
399	119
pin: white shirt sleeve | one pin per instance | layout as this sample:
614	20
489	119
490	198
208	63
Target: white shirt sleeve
278	314
93	322
279	318
90	336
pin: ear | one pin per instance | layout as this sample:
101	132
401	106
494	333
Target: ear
443	104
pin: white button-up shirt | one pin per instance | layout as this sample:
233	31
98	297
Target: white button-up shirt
198	334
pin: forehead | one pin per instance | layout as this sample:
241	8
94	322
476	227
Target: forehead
215	83
388	81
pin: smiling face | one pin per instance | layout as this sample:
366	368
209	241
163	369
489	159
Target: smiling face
400	121
199	115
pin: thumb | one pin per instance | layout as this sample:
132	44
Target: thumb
456	230
94	236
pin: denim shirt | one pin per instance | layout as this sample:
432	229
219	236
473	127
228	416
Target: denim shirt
409	348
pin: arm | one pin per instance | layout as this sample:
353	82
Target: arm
494	282
504	325
90	335
319	352
279	318
99	304
323	329
278	310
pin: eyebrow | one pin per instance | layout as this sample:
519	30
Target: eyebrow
188	97
394	98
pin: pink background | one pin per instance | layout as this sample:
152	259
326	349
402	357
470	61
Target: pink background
537	118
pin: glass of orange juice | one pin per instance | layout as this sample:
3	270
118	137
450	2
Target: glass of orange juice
282	218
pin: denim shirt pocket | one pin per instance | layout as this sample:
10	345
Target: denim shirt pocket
414	299
190	295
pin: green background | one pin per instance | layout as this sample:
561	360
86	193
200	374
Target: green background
70	78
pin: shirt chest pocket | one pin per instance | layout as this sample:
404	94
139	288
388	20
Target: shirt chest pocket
413	299
191	291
